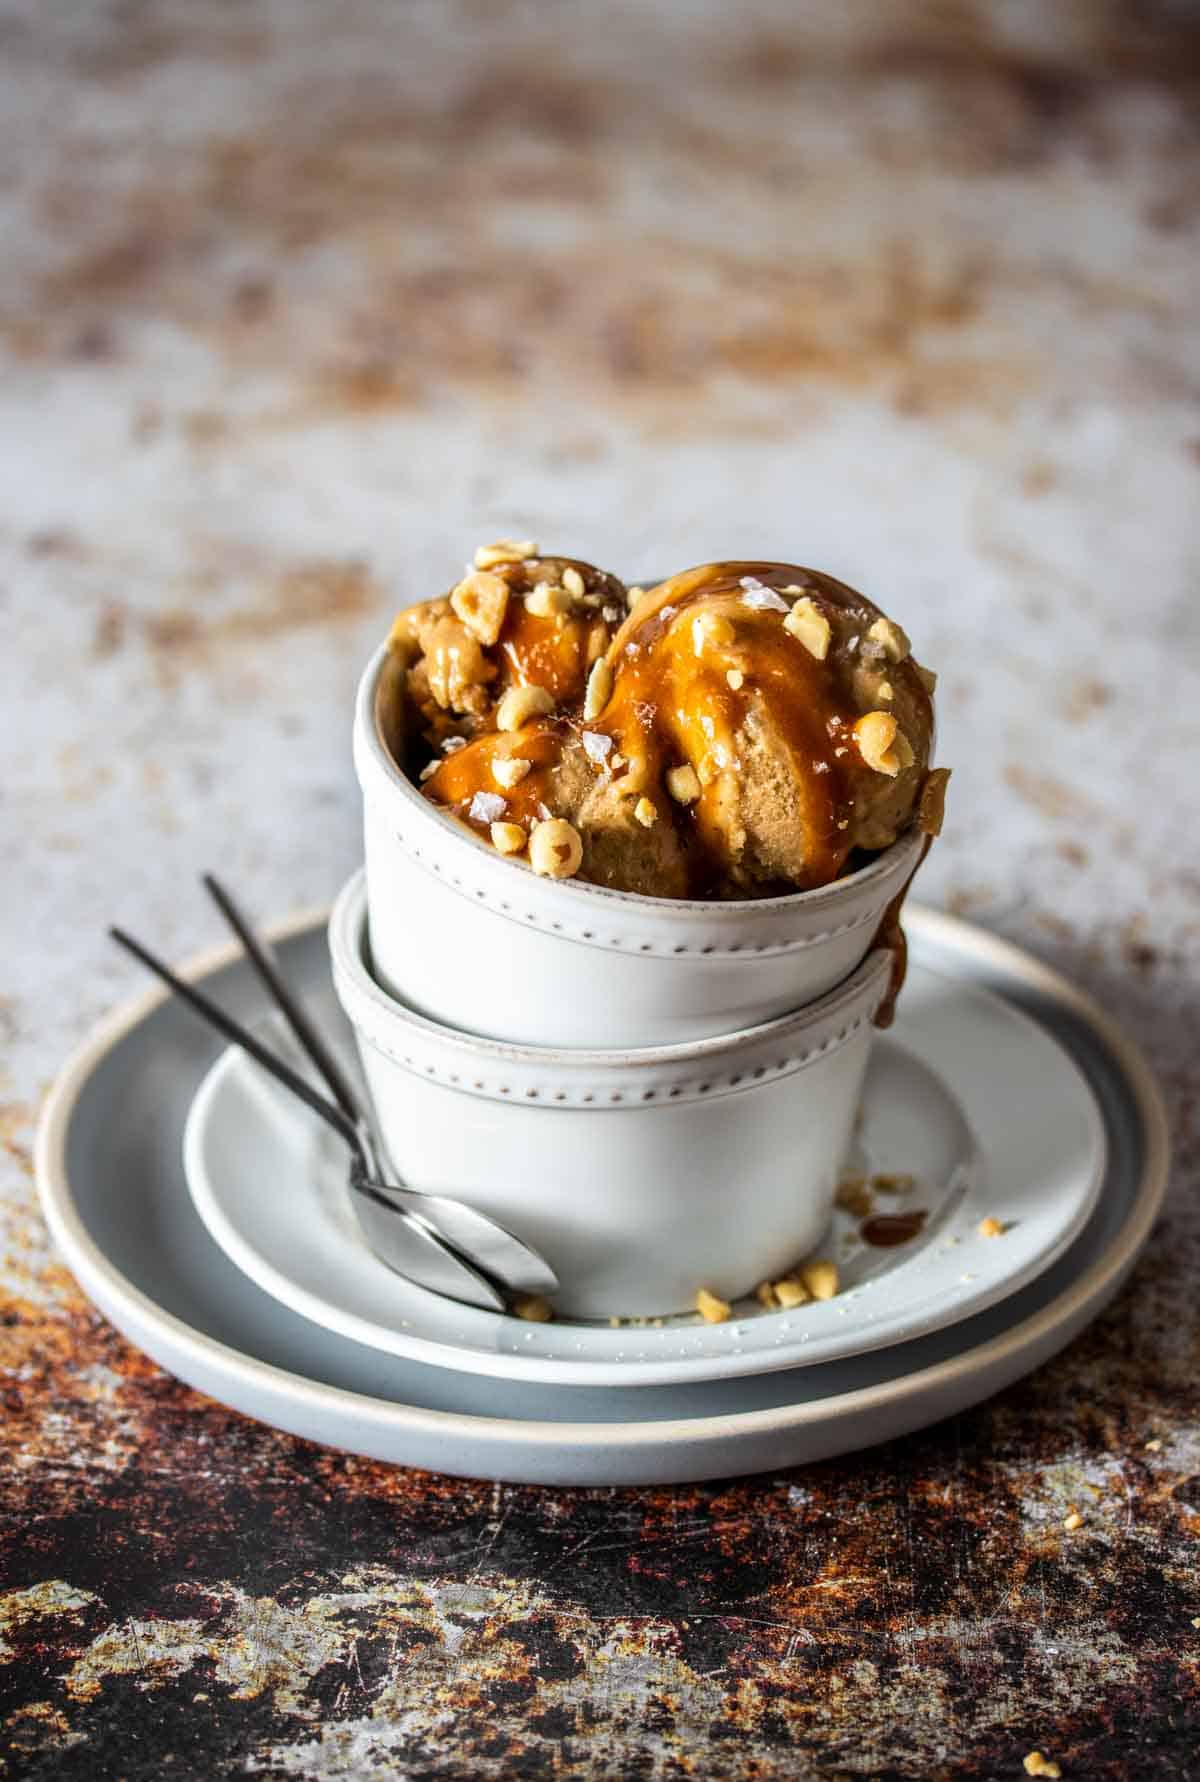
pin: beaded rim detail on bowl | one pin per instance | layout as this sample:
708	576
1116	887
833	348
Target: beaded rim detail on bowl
628	1097
720	1064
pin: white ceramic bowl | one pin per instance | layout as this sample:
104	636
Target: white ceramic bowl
640	1175
479	942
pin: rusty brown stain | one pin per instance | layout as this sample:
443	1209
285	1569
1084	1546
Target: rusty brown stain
298	596
362	166
110	630
1084	696
55	541
864	1607
1046	793
1039	477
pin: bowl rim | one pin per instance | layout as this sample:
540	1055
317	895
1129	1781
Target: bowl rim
904	853
348	922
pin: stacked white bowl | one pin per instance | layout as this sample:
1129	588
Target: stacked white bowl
657	1094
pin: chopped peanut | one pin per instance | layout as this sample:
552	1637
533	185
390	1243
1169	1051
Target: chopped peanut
481	601
711	630
545	601
1037	1765
599	690
853	1196
893	638
509	770
505	550
507	838
520	704
885	691
736	678
455	666
992	1227
555	849
646	813
892	1184
766	1296
876	733
573	582
807	623
820	1278
533	1308
790	1292
683	784
1072	1520
712	1309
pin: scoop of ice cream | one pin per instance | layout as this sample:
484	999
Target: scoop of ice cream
750	728
515	619
795	703
505	785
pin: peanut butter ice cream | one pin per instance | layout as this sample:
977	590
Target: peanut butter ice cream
747	729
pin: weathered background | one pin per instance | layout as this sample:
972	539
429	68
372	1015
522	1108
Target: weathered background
297	303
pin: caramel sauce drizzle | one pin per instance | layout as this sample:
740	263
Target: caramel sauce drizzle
544	652
885	1230
468	771
671	704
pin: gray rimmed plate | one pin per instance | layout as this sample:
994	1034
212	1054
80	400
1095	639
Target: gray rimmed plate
114	1192
968	1101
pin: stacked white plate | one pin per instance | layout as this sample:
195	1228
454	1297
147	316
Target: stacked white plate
207	1215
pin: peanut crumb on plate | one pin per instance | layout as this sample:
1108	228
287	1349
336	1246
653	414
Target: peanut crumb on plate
712	1309
820	1278
533	1308
854	1196
789	1292
992	1227
892	1184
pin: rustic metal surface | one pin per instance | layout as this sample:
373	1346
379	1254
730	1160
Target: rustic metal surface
296	304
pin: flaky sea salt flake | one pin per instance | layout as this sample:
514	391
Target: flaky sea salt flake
597	746
760	598
487	807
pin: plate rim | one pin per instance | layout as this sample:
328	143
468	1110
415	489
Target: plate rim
603	1373
103	1282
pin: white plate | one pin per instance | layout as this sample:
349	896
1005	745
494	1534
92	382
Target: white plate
114	1193
269	1182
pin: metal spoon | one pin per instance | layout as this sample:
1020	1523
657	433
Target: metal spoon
477	1239
432	1239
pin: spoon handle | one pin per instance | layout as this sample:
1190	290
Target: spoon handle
241	1036
262	958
